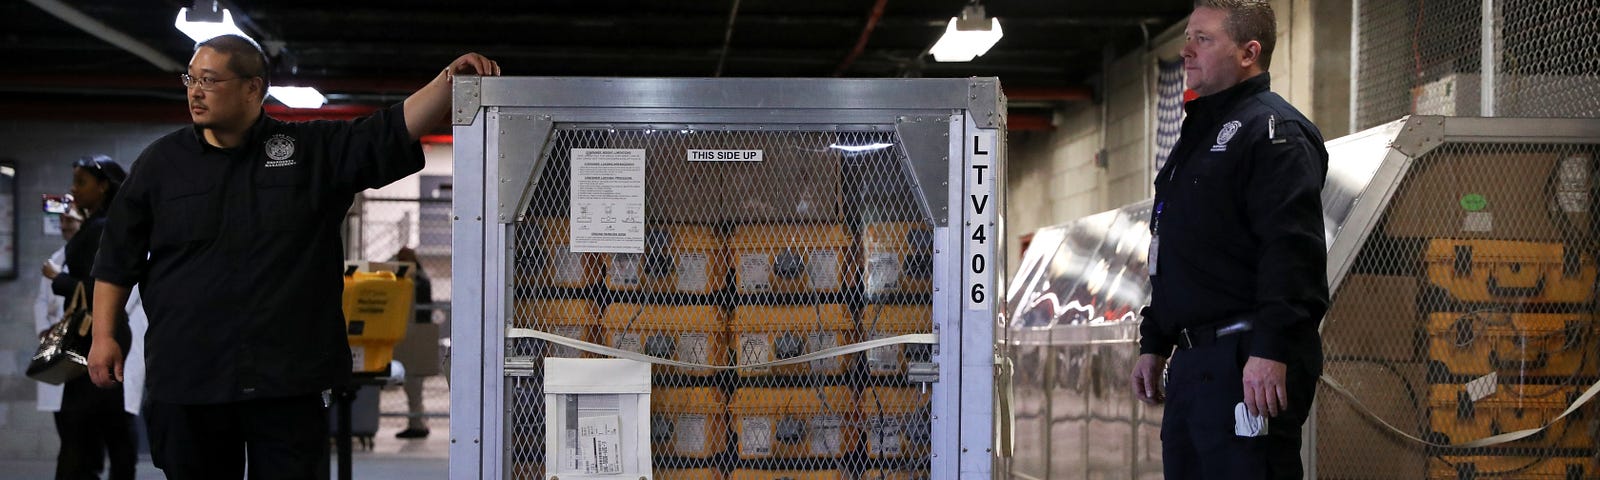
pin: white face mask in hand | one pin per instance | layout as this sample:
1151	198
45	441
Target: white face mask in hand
1247	425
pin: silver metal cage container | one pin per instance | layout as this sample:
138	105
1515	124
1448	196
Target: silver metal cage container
810	266
1461	261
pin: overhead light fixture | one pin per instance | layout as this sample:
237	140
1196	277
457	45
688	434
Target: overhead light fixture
298	97
968	36
203	24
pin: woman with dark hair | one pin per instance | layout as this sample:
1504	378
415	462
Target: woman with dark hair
92	422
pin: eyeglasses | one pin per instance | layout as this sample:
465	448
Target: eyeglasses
205	83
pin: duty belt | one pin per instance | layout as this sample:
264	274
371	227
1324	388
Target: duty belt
1205	335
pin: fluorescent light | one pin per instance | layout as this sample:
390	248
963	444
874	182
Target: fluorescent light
967	37
298	97
201	31
861	148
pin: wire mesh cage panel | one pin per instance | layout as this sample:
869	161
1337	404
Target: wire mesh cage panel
1469	312
743	263
1524	58
742	241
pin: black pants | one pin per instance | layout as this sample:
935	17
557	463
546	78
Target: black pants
278	438
1203	386
88	436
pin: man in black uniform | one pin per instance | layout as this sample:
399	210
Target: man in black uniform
1237	262
232	228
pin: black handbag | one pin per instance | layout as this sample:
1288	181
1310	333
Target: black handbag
64	349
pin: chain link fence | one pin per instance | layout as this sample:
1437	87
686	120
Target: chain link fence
1506	58
378	228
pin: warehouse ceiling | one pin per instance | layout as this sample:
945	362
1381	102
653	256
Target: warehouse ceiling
366	53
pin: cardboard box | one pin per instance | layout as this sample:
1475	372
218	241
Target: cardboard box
1373	317
676	189
1351	445
1537	196
799	178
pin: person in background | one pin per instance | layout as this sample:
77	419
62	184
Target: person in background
47	306
416	423
92	422
232	228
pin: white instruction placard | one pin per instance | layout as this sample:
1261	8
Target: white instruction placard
608	200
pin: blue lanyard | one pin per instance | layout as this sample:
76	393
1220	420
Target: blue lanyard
1155	220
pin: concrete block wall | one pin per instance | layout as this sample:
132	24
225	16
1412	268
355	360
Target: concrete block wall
44	152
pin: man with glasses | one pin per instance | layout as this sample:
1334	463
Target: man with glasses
231	226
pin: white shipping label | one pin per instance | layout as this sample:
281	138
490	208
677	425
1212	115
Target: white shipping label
754	348
822	270
883	272
1477	222
358	358
724	155
883	435
692	272
563	351
755	436
821	341
601	445
825	434
568	266
627	341
1574	176
695	348
755	272
607	200
624	270
690	431
1483	386
883	359
1573	202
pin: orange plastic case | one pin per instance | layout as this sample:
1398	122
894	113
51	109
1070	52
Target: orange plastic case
686	333
678	259
575	319
689	422
792	258
1510	271
794	422
764	333
1515	344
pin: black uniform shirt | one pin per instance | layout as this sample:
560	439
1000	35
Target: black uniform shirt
242	282
1240	223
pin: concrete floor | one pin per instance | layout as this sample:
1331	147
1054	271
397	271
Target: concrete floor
389	459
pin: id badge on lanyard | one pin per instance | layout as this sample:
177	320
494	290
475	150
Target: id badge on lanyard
1154	257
